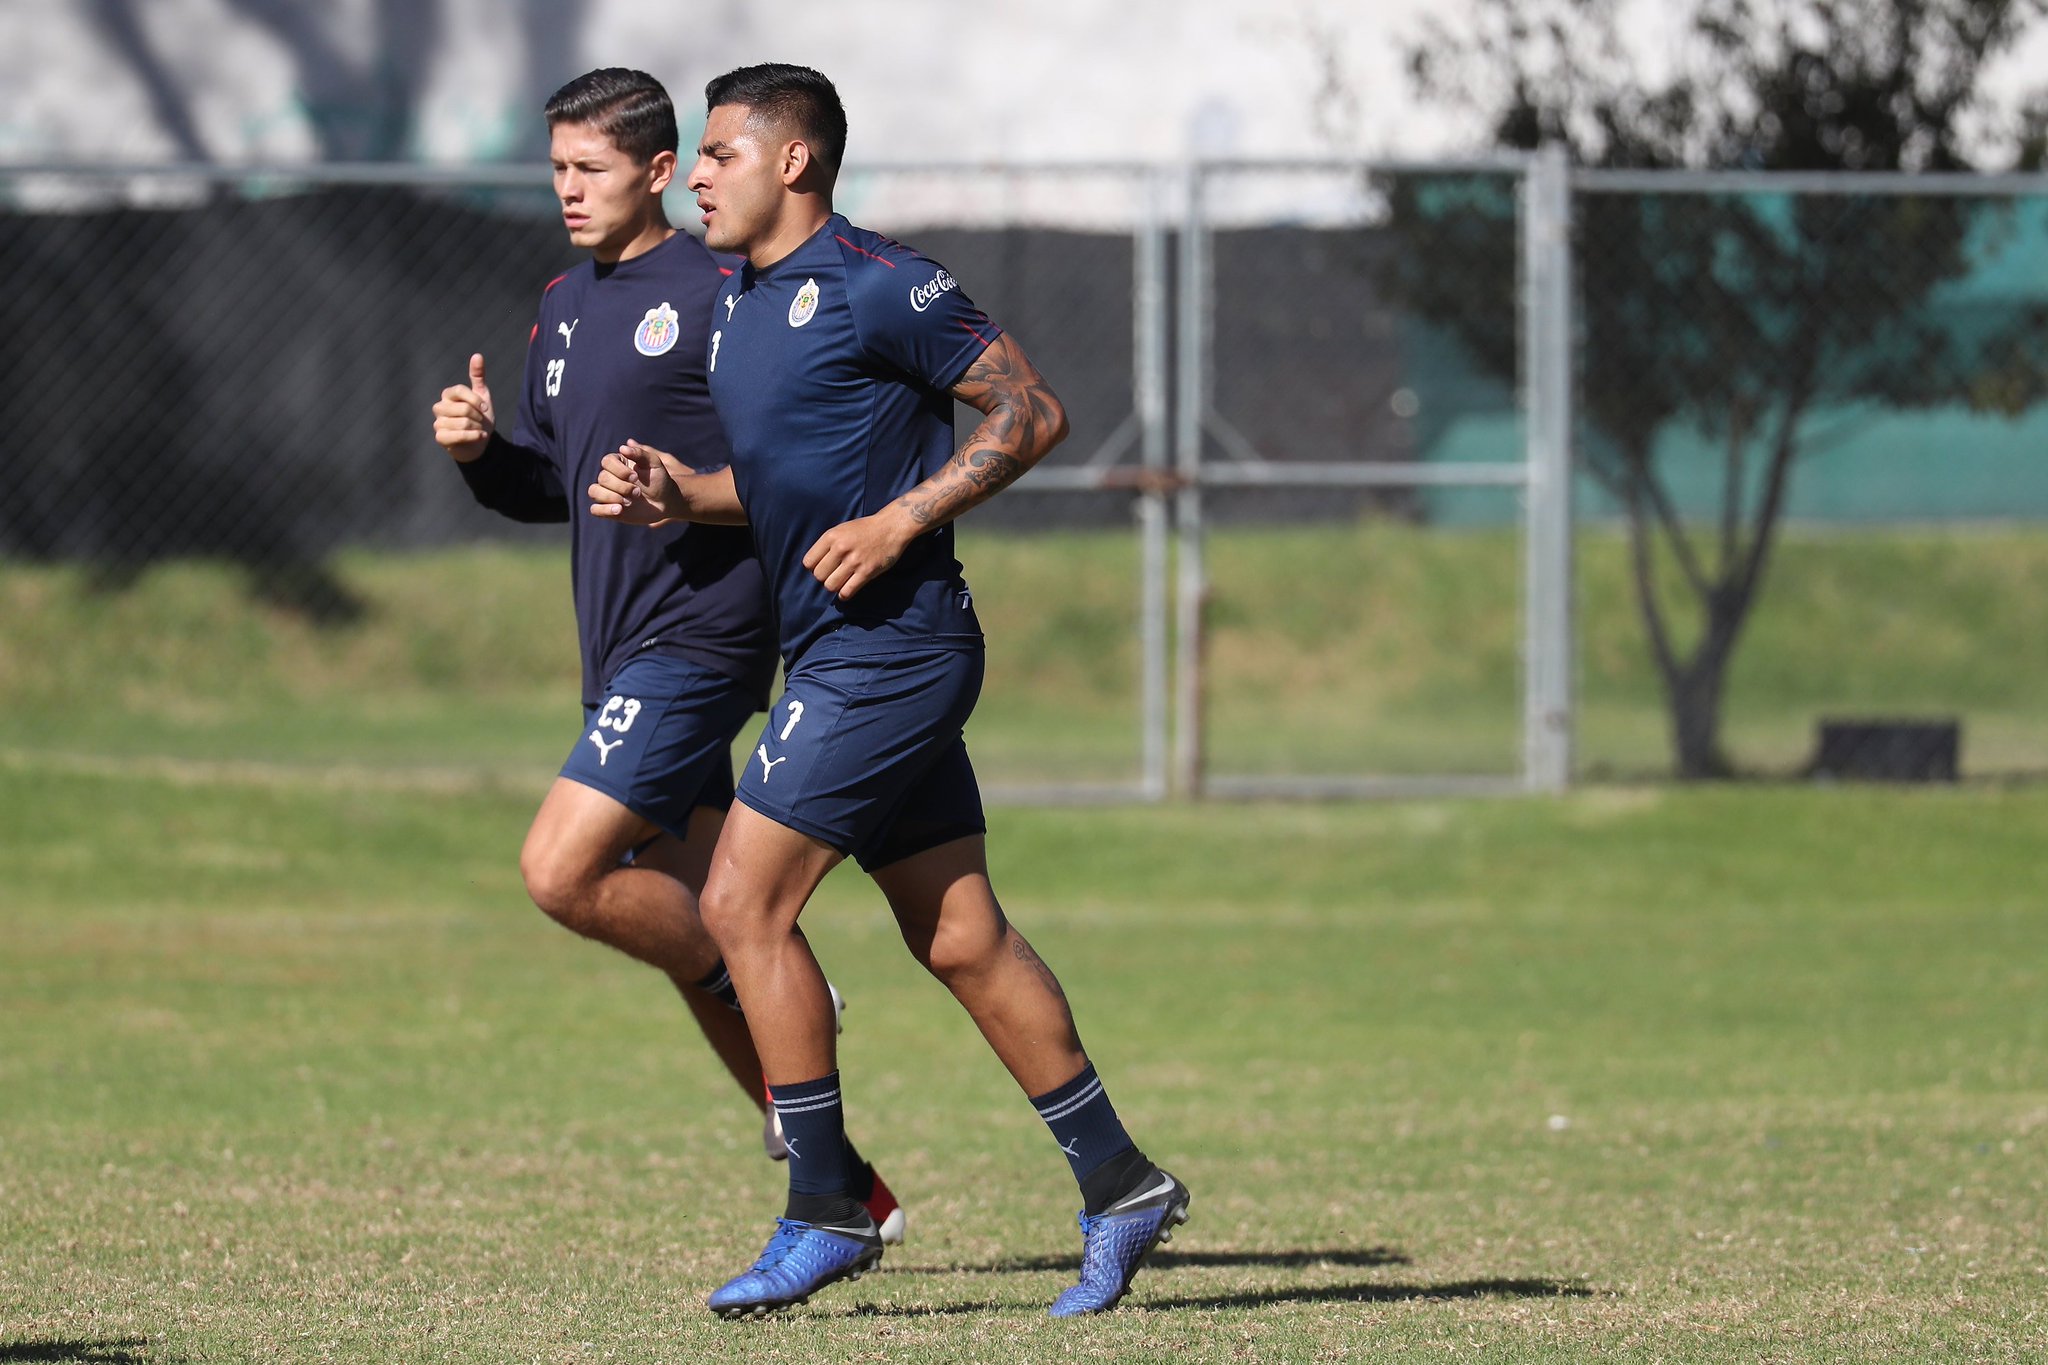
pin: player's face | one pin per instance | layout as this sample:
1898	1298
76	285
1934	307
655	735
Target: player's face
737	179
607	198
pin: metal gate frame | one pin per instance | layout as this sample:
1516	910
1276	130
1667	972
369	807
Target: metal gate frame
1108	468
1543	476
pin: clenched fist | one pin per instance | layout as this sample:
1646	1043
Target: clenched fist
855	553
463	419
633	485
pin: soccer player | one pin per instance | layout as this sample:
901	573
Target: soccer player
836	356
678	648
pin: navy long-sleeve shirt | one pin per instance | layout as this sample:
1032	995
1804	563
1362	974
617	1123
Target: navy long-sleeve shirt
619	352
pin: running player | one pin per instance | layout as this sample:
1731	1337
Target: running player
836	356
678	650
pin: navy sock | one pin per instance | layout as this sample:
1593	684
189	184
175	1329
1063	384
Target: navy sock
860	1176
1083	1123
718	985
814	1127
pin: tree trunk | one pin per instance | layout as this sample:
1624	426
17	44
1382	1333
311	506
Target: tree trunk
1694	691
1694	699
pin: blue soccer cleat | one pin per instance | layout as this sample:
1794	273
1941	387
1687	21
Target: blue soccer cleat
800	1259
1115	1242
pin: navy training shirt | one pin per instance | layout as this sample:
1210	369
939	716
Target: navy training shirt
830	370
618	353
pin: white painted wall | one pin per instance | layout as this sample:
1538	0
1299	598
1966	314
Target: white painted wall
922	79
1031	80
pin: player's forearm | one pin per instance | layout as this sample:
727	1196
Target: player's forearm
514	482
711	499
1021	419
1013	436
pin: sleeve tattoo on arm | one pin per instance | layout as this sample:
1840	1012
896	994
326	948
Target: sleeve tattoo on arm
1022	419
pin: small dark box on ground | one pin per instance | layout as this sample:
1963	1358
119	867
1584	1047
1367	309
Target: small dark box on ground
1889	750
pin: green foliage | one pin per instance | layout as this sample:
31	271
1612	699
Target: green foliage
1737	315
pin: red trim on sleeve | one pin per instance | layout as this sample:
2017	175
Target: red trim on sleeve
977	335
530	336
869	254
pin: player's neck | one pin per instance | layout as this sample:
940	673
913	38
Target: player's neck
799	223
652	233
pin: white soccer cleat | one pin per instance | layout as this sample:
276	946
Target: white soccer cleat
888	1214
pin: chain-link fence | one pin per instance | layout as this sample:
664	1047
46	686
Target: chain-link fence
1333	402
1810	420
236	369
245	365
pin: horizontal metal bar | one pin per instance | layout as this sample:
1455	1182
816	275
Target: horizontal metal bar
528	173
1945	183
509	173
1070	794
1125	478
1357	788
1084	167
1415	474
312	173
1507	163
1586	180
1086	479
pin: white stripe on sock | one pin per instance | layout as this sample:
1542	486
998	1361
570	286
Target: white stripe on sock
1061	1110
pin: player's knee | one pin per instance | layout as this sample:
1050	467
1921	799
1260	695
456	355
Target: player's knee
742	923
561	892
719	910
953	951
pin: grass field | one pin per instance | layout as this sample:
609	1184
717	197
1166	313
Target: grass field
291	1073
289	1070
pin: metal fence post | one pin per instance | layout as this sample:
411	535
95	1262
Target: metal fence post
1547	538
1192	401
1154	534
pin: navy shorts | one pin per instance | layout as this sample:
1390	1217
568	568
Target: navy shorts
864	752
661	742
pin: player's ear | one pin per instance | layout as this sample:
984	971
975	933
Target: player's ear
796	160
660	171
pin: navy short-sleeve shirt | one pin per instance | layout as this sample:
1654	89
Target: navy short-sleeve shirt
830	372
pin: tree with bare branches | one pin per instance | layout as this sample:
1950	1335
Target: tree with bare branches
1760	321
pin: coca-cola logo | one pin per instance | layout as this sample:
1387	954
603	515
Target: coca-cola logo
923	295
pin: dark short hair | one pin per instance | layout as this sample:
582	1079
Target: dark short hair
794	96
629	107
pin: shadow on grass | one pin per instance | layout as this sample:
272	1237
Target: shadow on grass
1336	1293
128	1351
1379	1293
1283	1260
1165	1260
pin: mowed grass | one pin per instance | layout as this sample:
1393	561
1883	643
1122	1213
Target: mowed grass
291	1072
1361	649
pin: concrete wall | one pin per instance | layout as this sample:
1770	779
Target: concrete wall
463	80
